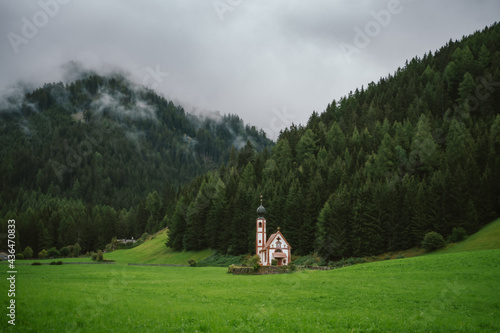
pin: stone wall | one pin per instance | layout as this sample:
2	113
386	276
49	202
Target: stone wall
263	270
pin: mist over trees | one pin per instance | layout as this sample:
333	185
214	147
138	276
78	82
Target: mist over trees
99	157
416	152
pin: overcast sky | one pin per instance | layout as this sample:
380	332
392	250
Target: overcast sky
270	62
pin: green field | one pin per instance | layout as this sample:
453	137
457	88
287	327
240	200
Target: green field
154	251
454	290
438	293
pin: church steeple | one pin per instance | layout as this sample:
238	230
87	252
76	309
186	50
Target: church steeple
261	237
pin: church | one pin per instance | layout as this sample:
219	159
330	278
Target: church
274	248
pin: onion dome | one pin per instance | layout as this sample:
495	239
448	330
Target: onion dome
261	210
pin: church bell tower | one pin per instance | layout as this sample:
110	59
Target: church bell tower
261	237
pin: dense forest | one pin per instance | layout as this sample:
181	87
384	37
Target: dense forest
100	157
418	151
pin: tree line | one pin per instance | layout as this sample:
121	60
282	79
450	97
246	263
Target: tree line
418	151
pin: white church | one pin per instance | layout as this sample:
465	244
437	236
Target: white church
276	247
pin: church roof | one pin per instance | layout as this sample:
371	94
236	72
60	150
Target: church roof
271	239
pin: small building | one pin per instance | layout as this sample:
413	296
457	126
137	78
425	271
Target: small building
274	248
126	241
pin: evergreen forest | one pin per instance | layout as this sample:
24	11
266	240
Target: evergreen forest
415	152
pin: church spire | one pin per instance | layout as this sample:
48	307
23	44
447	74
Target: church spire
261	210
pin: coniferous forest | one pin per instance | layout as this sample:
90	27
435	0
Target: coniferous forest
417	151
100	158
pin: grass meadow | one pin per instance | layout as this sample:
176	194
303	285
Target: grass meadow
154	251
450	292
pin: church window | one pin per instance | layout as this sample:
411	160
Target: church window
260	224
260	241
278	244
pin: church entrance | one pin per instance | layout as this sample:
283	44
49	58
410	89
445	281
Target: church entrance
280	262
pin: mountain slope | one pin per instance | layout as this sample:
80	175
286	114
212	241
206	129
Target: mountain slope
106	141
100	157
416	152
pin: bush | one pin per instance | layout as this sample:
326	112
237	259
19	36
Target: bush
64	251
458	234
42	254
359	260
19	256
433	241
76	250
192	263
292	267
274	262
28	252
97	256
52	252
253	261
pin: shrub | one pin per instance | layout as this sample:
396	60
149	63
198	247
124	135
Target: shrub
433	241
100	256
360	260
192	263
35	264
292	267
93	255
400	256
76	250
52	252
64	251
53	263
230	269
42	254
458	234
274	262
28	252
19	256
253	262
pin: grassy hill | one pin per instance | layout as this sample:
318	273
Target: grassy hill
485	239
154	251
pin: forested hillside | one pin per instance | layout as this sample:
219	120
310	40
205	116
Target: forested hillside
418	151
100	157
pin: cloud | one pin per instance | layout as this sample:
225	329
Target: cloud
259	57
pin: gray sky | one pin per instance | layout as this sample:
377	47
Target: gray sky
270	62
